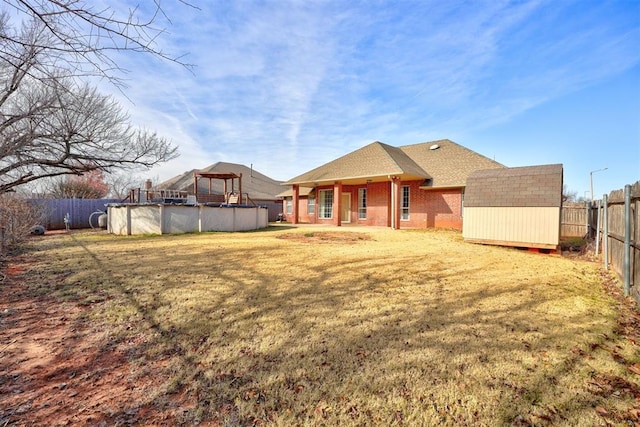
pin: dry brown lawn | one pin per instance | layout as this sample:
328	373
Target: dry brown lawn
311	326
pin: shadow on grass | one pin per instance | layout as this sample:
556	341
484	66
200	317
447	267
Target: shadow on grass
348	340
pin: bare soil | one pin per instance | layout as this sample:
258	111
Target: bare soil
326	237
55	371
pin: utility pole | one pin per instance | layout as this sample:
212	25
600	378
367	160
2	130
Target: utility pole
591	179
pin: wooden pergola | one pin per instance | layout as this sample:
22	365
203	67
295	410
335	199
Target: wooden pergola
230	197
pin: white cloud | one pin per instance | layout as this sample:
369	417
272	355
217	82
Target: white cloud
290	85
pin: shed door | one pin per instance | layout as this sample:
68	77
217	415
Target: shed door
345	215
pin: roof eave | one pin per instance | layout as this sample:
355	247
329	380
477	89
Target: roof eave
358	179
441	187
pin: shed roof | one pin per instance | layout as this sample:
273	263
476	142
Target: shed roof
527	186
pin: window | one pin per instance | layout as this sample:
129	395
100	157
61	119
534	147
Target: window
404	213
289	205
311	205
362	203
325	200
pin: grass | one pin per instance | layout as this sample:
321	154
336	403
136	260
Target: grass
398	328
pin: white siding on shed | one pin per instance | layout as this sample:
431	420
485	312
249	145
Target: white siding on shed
513	226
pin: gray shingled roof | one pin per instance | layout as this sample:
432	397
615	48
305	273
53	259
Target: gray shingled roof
450	164
373	160
447	166
257	185
525	186
303	191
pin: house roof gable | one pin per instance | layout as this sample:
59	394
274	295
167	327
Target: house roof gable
374	160
448	163
257	185
446	166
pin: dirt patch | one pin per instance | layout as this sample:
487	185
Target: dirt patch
326	237
57	369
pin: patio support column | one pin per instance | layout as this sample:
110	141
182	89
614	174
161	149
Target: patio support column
337	203
240	189
396	201
390	204
294	203
195	186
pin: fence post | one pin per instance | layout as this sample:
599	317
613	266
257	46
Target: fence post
598	229
605	232
588	222
627	239
1	234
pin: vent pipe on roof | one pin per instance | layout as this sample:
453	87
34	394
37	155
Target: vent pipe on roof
434	147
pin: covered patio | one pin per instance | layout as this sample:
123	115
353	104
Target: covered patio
230	195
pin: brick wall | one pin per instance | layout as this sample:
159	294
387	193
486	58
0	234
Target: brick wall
444	209
378	199
303	209
433	208
427	208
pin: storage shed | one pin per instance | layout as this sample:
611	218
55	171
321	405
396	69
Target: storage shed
514	206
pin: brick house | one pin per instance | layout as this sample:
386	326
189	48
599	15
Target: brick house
413	186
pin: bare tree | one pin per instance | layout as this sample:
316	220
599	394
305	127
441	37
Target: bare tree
120	184
90	185
569	195
51	125
52	130
82	38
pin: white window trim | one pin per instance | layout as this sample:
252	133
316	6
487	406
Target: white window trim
311	205
408	208
321	203
361	192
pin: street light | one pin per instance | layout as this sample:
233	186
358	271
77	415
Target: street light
591	178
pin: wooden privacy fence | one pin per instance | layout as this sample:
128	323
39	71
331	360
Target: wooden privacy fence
614	221
574	220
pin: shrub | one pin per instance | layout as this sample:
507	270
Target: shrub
18	218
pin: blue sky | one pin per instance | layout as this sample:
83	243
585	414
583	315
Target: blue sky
290	85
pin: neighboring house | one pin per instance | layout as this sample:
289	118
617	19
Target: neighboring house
514	206
413	186
255	187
